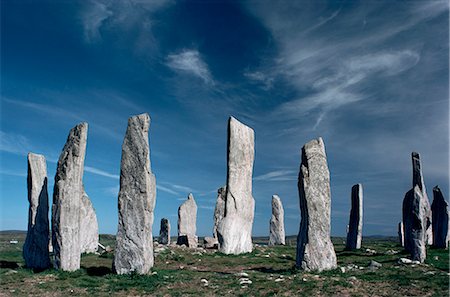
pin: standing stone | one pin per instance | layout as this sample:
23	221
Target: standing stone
418	180
440	219
219	211
187	223
35	249
415	223
315	250
137	198
235	229
277	235
425	206
354	234
88	226
401	234
67	195
164	232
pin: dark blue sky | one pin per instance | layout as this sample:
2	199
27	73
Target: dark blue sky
370	77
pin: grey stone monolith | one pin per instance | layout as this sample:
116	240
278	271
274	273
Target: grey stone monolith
277	234
187	223
235	229
315	250
401	234
418	180
415	224
354	234
411	212
439	209
35	248
219	210
136	203
164	232
88	226
67	196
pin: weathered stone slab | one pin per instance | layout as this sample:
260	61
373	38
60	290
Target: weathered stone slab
439	209
401	234
315	250
235	229
67	195
415	224
425	206
88	226
164	232
137	198
35	249
277	234
219	210
418	180
187	223
354	234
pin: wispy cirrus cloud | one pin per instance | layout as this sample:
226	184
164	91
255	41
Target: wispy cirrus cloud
277	175
136	16
100	172
189	61
331	70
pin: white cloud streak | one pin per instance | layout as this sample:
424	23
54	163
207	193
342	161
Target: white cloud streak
277	175
190	62
100	172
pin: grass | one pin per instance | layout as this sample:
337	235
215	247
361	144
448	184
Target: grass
178	272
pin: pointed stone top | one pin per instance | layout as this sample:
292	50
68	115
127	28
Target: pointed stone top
191	197
417	171
438	197
357	186
276	197
314	143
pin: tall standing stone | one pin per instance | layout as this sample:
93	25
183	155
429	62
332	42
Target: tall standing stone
88	226
277	234
315	250
67	195
440	219
219	210
235	229
415	223
401	234
187	223
164	232
354	234
418	180
35	249
136	203
409	217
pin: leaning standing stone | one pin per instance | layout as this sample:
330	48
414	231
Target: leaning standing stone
187	223
219	211
137	197
88	226
415	223
401	235
354	235
315	250
235	229
67	194
440	219
277	235
35	249
164	232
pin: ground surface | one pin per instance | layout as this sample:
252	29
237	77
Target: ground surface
179	271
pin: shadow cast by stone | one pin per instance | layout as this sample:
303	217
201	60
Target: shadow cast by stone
98	271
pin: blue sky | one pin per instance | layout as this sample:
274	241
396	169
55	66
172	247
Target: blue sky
370	77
